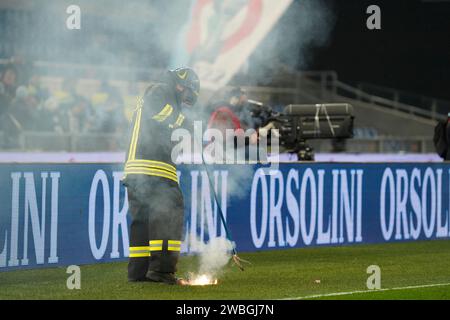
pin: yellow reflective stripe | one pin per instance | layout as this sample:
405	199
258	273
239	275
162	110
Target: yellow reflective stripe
139	248
139	252
152	172
134	164
140	103
155	167
140	255
152	162
164	113
174	245
135	136
137	166
180	120
155	245
137	133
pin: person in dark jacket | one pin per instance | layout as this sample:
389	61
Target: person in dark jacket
447	129
155	199
441	138
8	81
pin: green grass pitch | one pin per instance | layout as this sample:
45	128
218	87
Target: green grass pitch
279	274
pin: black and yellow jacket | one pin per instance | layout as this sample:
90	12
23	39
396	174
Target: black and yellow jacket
157	114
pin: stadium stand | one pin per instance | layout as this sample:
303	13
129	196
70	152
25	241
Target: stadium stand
102	105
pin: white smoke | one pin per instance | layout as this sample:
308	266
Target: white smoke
239	181
213	255
306	26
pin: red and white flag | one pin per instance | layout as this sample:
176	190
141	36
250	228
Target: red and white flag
221	35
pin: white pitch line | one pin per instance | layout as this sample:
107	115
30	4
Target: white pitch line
367	291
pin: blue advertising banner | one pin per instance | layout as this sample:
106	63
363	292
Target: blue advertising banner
64	214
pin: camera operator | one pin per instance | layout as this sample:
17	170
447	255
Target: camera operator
9	125
233	112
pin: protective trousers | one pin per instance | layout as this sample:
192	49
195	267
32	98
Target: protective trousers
157	211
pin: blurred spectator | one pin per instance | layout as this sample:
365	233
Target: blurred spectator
66	96
51	117
4	121
80	115
109	109
8	81
74	113
110	115
24	108
99	98
4	104
35	88
9	125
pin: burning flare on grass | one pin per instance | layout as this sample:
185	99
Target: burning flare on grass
201	280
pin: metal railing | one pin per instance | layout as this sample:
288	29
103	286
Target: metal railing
98	142
326	83
357	94
381	144
327	80
71	142
433	105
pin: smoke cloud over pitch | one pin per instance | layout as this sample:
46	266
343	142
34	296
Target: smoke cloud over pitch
213	255
144	34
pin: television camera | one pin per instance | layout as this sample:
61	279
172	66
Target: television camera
298	123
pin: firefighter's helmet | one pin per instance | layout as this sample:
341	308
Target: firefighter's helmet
188	79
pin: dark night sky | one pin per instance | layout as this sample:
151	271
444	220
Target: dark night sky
411	52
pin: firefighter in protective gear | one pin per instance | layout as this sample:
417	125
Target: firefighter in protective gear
154	196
